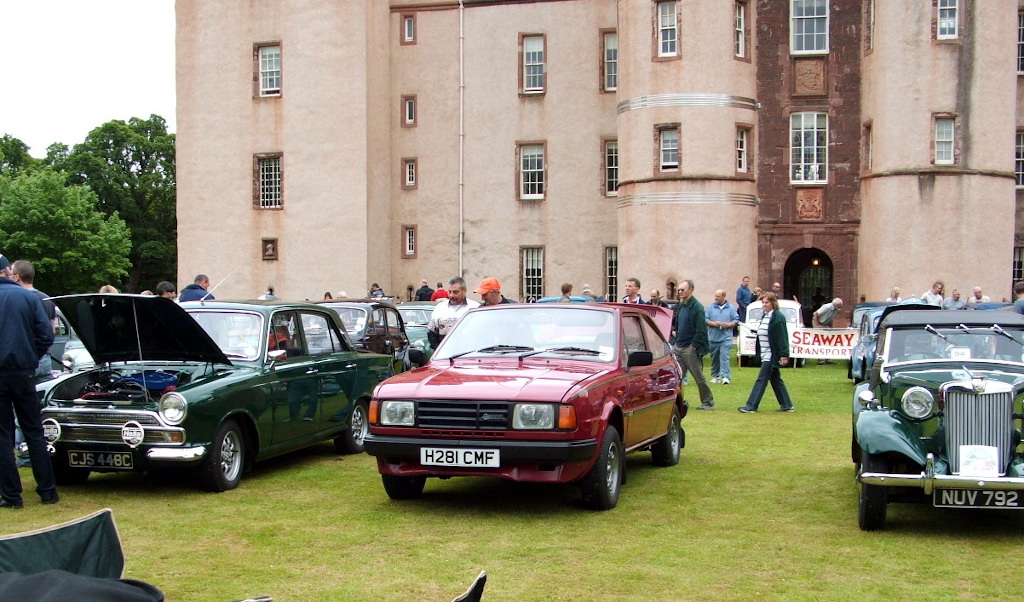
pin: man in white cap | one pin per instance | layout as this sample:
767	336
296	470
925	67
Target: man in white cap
825	316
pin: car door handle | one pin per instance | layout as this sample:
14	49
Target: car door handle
350	366
312	371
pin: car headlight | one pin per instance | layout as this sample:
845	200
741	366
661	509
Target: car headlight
173	408
918	403
397	413
533	416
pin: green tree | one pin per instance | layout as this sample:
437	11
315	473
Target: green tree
14	155
74	246
130	167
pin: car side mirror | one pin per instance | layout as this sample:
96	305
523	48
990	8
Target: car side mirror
417	357
277	354
639	358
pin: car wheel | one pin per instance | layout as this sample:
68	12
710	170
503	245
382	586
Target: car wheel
403	488
221	470
873	498
602	484
665	452
351	441
65	475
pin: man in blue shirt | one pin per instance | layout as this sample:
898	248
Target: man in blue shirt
197	291
722	318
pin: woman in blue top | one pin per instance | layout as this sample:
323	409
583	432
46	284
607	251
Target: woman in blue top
773	347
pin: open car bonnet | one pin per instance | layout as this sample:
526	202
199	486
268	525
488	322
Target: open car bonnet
124	328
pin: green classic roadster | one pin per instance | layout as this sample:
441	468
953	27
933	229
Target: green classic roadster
939	418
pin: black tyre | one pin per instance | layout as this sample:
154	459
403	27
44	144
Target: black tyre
65	475
873	498
351	441
602	484
403	488
221	470
665	452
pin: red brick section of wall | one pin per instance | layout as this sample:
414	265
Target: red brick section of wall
785	85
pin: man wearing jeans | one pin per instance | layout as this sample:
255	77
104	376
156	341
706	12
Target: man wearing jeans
25	336
722	318
690	341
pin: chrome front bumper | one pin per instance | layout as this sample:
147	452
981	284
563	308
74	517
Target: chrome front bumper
929	481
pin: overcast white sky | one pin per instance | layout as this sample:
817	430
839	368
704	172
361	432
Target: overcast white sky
73	65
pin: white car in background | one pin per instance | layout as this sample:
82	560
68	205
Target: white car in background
747	343
75	357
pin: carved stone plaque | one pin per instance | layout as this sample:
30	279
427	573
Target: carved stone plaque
809	77
810	204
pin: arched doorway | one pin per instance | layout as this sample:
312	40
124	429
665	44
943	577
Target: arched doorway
808	275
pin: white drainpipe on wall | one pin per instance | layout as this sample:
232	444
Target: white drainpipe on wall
462	133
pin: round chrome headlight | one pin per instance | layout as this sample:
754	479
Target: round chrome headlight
173	408
918	403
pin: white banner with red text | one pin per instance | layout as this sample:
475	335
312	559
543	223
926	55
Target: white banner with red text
812	343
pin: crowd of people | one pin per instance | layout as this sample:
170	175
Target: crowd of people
955	300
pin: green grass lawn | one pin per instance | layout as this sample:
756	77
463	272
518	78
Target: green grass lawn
761	506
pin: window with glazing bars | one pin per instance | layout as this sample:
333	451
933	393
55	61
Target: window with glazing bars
740	30
808	147
611	167
611	272
270	70
944	141
1018	265
611	61
533	64
1020	43
669	139
742	143
948	26
809	26
1018	167
668	34
531	171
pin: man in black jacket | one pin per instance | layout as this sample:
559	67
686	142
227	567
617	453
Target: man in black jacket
25	336
424	292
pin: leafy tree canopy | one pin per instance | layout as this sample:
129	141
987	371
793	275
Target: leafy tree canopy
14	155
74	246
130	167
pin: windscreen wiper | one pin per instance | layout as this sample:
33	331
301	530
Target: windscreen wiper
999	330
491	349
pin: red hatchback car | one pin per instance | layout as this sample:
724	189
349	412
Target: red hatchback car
552	393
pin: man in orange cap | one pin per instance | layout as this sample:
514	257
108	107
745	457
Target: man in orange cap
490	292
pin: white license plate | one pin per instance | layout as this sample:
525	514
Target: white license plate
977	498
88	459
464	457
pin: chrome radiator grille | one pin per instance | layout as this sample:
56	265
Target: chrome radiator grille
978	419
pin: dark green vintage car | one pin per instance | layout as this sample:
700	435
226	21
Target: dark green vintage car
939	419
208	386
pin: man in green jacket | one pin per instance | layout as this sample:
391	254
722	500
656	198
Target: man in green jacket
690	340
